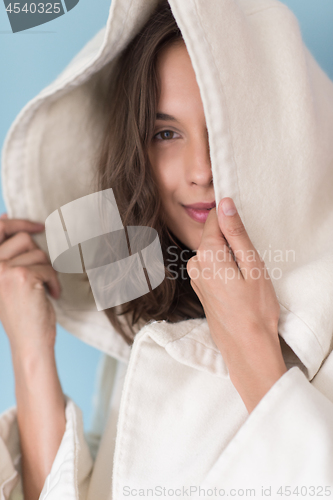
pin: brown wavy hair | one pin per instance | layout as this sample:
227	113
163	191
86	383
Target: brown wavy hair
124	166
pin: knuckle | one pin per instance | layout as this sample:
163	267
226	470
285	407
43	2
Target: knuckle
236	230
22	274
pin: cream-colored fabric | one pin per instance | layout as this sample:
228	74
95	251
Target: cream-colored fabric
269	113
182	423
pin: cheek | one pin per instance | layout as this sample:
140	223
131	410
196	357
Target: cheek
168	176
168	183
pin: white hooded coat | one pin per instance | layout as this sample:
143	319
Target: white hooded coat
182	424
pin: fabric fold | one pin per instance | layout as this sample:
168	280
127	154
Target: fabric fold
72	466
286	441
70	473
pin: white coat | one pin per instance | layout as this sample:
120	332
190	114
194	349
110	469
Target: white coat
182	425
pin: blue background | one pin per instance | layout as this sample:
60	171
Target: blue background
32	59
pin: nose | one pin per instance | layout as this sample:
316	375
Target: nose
199	169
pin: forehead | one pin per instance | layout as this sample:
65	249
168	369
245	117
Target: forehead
177	78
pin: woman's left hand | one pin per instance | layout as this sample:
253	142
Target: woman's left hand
240	304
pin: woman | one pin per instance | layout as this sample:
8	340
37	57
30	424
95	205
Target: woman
179	123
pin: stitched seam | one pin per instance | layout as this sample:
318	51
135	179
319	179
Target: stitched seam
179	338
191	339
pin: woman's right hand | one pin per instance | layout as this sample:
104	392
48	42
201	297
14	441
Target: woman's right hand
29	320
26	313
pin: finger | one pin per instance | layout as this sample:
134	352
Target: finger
234	232
47	275
211	230
213	240
213	243
8	227
36	256
16	245
4	216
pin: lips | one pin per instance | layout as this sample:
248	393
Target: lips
202	205
199	211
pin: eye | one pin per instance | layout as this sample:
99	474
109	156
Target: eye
165	135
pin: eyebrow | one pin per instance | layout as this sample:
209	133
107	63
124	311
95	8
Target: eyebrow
165	117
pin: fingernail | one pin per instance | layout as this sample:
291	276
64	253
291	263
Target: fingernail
228	207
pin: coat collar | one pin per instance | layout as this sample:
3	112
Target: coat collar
190	343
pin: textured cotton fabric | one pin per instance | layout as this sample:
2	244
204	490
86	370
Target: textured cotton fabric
269	114
196	430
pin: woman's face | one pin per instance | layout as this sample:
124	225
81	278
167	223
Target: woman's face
179	150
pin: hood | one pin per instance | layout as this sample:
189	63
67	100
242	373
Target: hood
269	114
